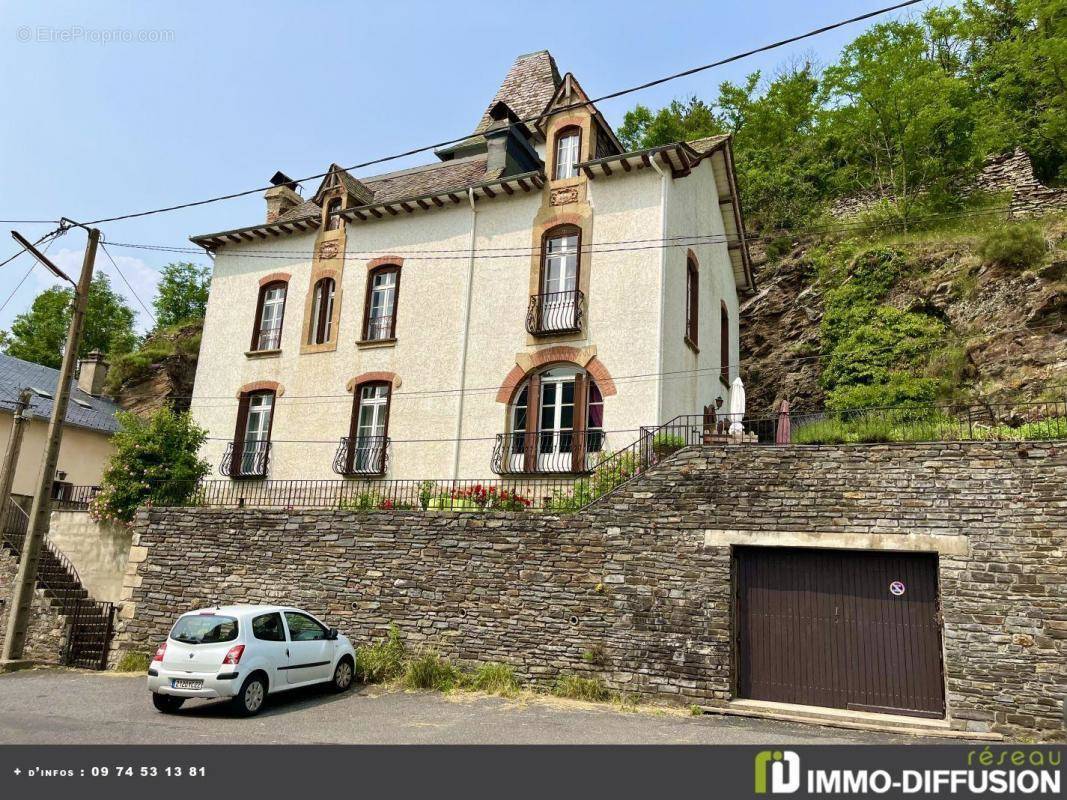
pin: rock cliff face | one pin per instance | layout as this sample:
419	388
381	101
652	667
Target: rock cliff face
161	372
1011	323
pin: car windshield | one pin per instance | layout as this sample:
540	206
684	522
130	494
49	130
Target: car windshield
204	629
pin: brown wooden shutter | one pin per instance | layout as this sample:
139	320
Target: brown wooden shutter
531	444
239	435
258	318
581	411
694	306
353	428
724	342
396	305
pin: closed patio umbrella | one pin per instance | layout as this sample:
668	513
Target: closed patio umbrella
737	407
782	434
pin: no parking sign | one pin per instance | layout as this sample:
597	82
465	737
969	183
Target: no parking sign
896	588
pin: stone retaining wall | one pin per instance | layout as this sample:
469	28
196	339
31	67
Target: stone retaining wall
47	635
637	589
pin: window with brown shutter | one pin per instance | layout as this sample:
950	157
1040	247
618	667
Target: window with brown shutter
270	313
321	328
333	218
692	302
368	431
251	438
380	304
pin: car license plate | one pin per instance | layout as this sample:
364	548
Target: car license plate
179	683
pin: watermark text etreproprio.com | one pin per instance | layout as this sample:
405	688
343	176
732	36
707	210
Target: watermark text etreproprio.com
48	34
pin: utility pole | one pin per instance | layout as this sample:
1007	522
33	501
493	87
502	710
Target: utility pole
40	515
14	444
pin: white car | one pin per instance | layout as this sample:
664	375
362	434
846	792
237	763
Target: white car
244	653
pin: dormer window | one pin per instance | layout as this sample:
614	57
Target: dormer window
568	147
333	220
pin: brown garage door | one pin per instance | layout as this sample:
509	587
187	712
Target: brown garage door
839	628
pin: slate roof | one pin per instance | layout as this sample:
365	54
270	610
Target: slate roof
707	143
16	374
390	186
527	88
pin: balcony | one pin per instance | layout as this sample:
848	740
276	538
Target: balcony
245	460
548	452
555	312
366	455
267	339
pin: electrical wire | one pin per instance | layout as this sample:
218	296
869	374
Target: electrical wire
523	251
536	117
129	286
55	235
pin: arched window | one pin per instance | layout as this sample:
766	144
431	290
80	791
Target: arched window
568	149
559	303
692	301
333	219
556	422
321	329
724	343
368	429
251	440
379	310
270	312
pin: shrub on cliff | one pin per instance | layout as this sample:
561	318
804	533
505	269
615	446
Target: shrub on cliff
155	462
1017	246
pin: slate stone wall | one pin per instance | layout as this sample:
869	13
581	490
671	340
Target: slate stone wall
629	591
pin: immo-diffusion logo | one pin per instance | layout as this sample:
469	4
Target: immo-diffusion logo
783	766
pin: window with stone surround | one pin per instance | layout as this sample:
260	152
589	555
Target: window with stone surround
379	311
568	153
320	330
270	313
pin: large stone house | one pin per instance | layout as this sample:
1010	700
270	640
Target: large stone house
519	307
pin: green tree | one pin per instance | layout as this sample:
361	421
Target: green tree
1015	60
40	334
182	293
896	121
681	121
155	462
780	167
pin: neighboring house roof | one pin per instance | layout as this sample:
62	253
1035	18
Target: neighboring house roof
83	411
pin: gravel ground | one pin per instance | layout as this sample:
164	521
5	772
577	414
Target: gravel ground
51	706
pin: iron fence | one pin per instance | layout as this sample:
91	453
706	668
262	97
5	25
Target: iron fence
70	497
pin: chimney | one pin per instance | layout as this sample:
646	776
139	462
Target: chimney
282	196
92	372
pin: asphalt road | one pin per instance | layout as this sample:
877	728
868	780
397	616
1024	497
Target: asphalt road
71	707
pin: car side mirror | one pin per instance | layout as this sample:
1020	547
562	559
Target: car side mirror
332	634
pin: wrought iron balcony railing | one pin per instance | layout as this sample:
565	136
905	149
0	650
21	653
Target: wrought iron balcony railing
555	312
544	452
245	460
379	328
267	339
364	455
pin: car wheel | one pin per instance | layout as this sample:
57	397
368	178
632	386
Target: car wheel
250	699
342	675
166	703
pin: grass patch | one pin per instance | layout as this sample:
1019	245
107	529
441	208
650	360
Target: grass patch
382	661
1015	245
133	661
428	670
575	687
493	678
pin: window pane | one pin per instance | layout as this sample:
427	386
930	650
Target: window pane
268	627
303	629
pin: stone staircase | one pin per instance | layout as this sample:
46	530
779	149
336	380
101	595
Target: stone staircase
90	621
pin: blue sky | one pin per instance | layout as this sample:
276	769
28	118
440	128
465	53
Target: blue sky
223	94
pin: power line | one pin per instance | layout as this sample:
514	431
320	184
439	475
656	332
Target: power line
128	285
55	235
524	251
536	117
29	221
